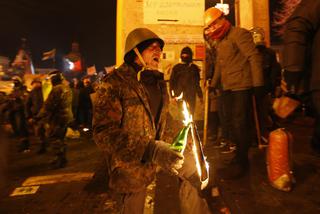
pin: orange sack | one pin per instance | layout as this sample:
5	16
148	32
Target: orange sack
279	159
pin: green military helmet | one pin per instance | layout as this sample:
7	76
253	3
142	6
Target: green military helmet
136	38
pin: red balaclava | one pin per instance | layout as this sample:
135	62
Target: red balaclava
221	31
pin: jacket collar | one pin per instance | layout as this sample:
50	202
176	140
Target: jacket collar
129	75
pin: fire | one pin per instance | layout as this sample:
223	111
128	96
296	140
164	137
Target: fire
187	116
201	163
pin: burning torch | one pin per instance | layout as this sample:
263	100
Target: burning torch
180	143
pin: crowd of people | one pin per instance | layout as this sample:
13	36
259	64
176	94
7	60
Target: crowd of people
48	116
129	114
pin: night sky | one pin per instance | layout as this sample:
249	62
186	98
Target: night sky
55	24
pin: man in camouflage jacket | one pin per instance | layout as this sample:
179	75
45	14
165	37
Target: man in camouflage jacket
57	112
129	119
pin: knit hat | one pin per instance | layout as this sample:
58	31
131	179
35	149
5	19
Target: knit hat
186	50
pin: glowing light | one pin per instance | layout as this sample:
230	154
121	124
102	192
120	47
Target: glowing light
70	64
187	116
201	162
85	129
178	97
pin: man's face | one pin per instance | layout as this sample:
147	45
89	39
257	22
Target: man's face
151	55
213	27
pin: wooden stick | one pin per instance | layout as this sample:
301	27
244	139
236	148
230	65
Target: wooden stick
256	121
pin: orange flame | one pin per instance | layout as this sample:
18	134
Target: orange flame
198	155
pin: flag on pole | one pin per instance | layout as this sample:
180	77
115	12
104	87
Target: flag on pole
49	54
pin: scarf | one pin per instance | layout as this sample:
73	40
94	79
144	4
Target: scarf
221	31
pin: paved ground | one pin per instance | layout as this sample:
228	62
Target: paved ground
253	193
76	191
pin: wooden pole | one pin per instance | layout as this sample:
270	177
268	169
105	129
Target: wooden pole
256	121
206	113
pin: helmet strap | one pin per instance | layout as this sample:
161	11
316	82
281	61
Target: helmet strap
144	65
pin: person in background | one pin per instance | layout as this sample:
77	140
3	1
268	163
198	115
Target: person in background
272	78
33	106
301	58
75	88
15	108
57	112
185	78
219	121
85	104
237	72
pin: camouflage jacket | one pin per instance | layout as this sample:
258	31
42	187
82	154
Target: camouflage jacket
123	127
57	109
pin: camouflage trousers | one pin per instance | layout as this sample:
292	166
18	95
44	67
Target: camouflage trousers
55	139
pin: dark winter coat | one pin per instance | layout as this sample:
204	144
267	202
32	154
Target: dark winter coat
16	99
271	69
84	97
238	65
123	127
302	43
34	102
186	78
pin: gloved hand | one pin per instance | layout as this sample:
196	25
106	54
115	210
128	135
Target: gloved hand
167	158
